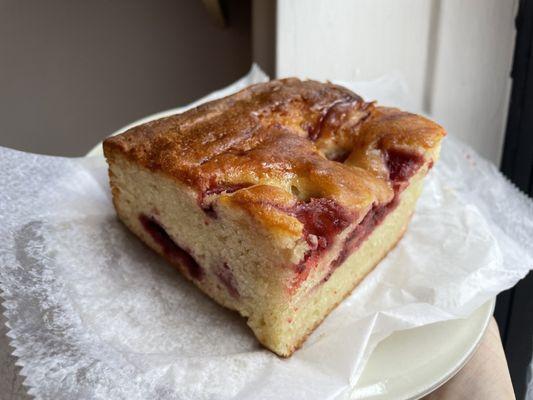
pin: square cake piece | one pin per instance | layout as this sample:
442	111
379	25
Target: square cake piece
275	201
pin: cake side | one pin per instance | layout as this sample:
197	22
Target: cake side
230	258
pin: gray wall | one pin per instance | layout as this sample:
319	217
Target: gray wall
73	71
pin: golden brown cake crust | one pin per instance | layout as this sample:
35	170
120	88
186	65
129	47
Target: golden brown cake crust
286	141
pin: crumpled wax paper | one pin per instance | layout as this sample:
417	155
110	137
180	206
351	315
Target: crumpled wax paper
94	314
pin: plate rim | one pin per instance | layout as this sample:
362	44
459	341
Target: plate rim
490	306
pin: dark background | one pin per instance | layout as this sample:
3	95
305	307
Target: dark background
514	309
72	72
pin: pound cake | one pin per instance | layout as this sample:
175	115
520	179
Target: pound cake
275	201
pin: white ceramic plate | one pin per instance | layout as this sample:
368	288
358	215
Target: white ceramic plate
411	363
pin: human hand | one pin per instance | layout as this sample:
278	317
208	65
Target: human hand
484	377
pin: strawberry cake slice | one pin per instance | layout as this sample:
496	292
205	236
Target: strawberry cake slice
275	201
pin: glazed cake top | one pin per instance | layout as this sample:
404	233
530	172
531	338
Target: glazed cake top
276	145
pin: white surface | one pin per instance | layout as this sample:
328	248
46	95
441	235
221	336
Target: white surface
354	40
92	312
455	55
470	96
413	363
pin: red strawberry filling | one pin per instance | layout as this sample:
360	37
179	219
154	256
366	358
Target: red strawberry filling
174	253
323	219
225	275
361	232
330	220
402	164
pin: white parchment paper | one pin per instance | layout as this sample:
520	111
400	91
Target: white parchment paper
93	314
